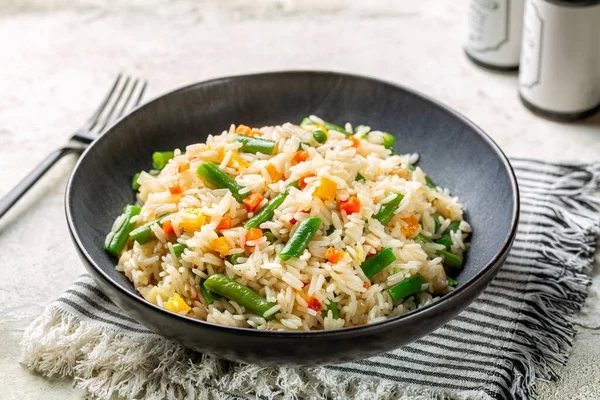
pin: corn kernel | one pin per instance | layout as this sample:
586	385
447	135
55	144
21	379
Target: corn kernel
221	245
237	162
176	304
273	173
192	224
327	189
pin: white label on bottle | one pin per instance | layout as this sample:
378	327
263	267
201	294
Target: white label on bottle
531	50
560	59
488	25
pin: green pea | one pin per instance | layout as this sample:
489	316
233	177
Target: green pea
320	136
388	140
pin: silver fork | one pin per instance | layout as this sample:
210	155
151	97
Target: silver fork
125	94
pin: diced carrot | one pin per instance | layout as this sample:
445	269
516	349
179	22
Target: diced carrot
243	130
410	226
253	234
293	221
327	189
334	255
224	223
252	201
273	173
167	227
301	155
174	188
314	304
184	167
255	132
302	181
221	245
366	285
355	141
351	205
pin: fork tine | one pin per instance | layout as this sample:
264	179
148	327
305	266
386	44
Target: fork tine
125	106
108	117
139	99
94	118
129	96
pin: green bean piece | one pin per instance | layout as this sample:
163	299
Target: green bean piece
451	260
330	230
266	213
411	168
377	262
420	238
213	175
300	239
161	158
413	285
178	249
306	122
388	140
144	233
234	258
239	293
359	177
270	237
255	145
386	212
134	181
209	296
320	136
436	221
328	125
453	227
429	182
333	307
119	239
334	127
452	282
295	184
446	239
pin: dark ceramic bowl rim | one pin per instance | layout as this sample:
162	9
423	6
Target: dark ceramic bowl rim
489	268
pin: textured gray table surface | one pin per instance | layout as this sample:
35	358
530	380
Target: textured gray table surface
59	56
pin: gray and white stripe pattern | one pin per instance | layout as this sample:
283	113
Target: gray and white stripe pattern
509	337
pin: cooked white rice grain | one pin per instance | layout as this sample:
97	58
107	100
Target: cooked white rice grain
299	287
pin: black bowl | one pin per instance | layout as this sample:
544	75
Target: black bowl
456	153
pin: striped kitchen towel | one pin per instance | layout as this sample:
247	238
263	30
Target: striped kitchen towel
511	336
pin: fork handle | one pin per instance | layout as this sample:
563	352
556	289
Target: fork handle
18	191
